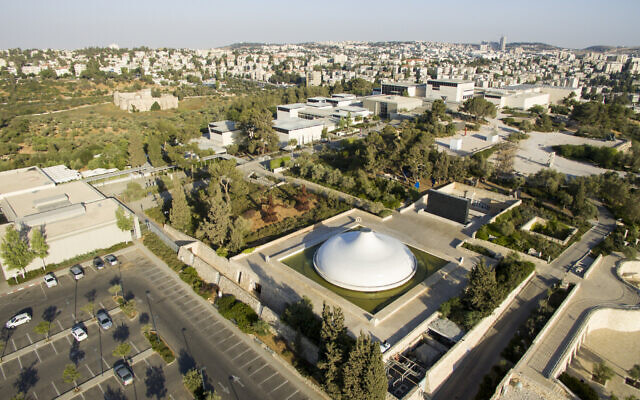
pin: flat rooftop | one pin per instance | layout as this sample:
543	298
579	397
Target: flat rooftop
223	126
395	99
295	124
32	202
450	80
20	180
293	106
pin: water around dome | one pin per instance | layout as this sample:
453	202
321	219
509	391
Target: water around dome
365	260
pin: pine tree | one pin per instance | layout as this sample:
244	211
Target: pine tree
154	150
330	368
15	250
482	292
237	233
215	227
39	245
364	375
180	214
137	156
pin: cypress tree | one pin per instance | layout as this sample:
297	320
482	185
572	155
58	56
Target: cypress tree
180	214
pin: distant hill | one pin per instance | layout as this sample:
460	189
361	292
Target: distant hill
534	45
600	48
245	44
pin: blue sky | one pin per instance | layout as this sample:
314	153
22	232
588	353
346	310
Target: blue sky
203	24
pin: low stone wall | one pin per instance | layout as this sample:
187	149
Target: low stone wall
504	251
293	234
515	204
618	319
176	235
629	272
441	370
308	349
501	388
538	220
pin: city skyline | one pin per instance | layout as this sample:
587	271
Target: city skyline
198	24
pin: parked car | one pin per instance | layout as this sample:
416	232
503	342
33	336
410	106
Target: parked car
98	263
79	333
123	372
77	272
50	280
104	319
18	320
384	346
111	259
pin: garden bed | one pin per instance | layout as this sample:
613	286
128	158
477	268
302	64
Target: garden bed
160	346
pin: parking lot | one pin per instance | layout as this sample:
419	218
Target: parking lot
35	366
232	364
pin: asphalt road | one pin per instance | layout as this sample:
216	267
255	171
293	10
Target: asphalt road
231	363
38	371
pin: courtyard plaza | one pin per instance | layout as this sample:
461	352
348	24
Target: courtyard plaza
423	232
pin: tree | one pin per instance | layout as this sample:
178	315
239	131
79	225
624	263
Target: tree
180	215
215	226
479	108
257	124
137	156
504	158
634	372
115	289
482	290
154	150
155	106
330	367
364	374
122	350
123	222
438	109
237	233
602	373
15	250
43	328
39	245
71	374
192	380
225	174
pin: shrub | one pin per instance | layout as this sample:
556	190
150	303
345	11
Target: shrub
159	346
241	313
580	389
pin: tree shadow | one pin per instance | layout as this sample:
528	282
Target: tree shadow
90	295
185	362
129	295
75	353
27	379
115	281
50	313
144	318
121	333
114	394
155	382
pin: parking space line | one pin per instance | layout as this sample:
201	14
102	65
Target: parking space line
59	324
101	305
229	348
292	394
134	347
29	337
54	348
253	373
105	362
279	386
20	362
68	340
100	387
55	388
240	354
35	350
14	345
146	362
43	292
249	362
90	371
272	375
35	395
3	375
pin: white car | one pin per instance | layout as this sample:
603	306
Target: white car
384	346
50	280
18	320
111	259
79	333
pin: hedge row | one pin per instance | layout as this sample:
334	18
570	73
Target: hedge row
241	313
579	388
159	346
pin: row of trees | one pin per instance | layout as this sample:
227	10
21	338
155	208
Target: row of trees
18	251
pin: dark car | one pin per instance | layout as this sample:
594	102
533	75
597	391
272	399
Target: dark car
104	319
123	372
77	271
98	263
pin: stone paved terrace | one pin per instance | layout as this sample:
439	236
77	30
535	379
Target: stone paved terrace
420	231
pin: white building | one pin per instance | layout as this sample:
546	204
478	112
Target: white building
388	106
224	133
304	131
74	217
449	90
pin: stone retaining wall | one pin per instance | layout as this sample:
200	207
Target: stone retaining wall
440	371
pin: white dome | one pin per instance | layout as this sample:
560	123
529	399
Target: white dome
365	261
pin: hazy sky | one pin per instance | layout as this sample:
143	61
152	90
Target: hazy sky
203	24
